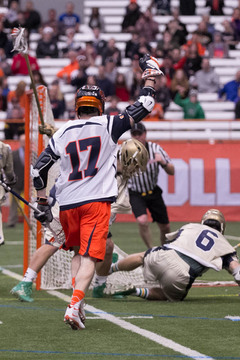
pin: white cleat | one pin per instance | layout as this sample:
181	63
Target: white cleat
72	318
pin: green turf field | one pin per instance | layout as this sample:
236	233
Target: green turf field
131	328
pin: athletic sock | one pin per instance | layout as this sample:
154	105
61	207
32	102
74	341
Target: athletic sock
142	292
99	280
114	268
77	296
30	275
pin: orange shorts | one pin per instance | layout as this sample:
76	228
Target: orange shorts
87	227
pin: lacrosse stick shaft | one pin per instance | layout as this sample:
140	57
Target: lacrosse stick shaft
22	212
34	88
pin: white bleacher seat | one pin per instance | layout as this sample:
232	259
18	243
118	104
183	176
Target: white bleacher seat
234	53
226	71
219	115
207	96
3	116
61	62
215	62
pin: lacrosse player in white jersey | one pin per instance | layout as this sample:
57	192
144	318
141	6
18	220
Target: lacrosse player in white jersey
86	187
190	251
132	158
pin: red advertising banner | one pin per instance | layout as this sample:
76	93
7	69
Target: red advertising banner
206	176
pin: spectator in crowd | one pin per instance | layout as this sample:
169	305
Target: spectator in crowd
187	7
90	53
38	79
121	90
113	108
13	129
210	26
163	96
237	106
177	58
146	26
204	37
165	45
132	45
47	47
147	194
216	7
19	21
218	48
69	19
167	69
131	16
3	97
98	43
110	69
5	43
228	35
69	42
79	77
230	89
11	15
144	47
178	35
4	64
235	23
19	65
111	51
179	83
96	20
6	168
52	22
206	80
131	71
194	40
193	61
163	7
181	26
18	96
57	101
190	105
104	82
18	167
156	114
66	72
32	17
136	85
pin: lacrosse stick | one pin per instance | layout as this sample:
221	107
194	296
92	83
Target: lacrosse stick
20	45
7	188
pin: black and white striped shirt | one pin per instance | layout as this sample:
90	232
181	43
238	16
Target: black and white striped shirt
147	180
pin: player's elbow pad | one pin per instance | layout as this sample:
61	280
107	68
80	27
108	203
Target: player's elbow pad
141	108
40	170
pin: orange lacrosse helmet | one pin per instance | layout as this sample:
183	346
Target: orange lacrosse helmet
90	96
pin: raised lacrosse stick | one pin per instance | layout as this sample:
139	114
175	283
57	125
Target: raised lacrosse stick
7	188
20	45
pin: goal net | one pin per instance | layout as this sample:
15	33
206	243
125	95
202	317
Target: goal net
56	274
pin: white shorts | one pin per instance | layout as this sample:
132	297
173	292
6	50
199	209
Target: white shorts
172	273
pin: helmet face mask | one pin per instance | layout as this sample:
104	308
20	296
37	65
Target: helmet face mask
215	219
134	158
90	96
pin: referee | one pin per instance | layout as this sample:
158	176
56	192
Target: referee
144	192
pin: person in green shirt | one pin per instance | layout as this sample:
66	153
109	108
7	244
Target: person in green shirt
191	106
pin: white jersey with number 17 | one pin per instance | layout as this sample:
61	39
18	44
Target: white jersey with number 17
87	161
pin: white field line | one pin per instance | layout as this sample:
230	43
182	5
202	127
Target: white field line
145	333
127	326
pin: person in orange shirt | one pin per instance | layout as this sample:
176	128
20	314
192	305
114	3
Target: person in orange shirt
18	95
66	72
156	114
194	40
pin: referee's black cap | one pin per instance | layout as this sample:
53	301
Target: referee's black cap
138	129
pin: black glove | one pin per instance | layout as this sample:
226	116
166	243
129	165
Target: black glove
149	66
45	216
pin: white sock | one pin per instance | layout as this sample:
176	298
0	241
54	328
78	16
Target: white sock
29	275
142	292
99	280
113	268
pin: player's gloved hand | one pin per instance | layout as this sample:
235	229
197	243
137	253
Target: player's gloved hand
150	66
47	129
45	214
11	182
